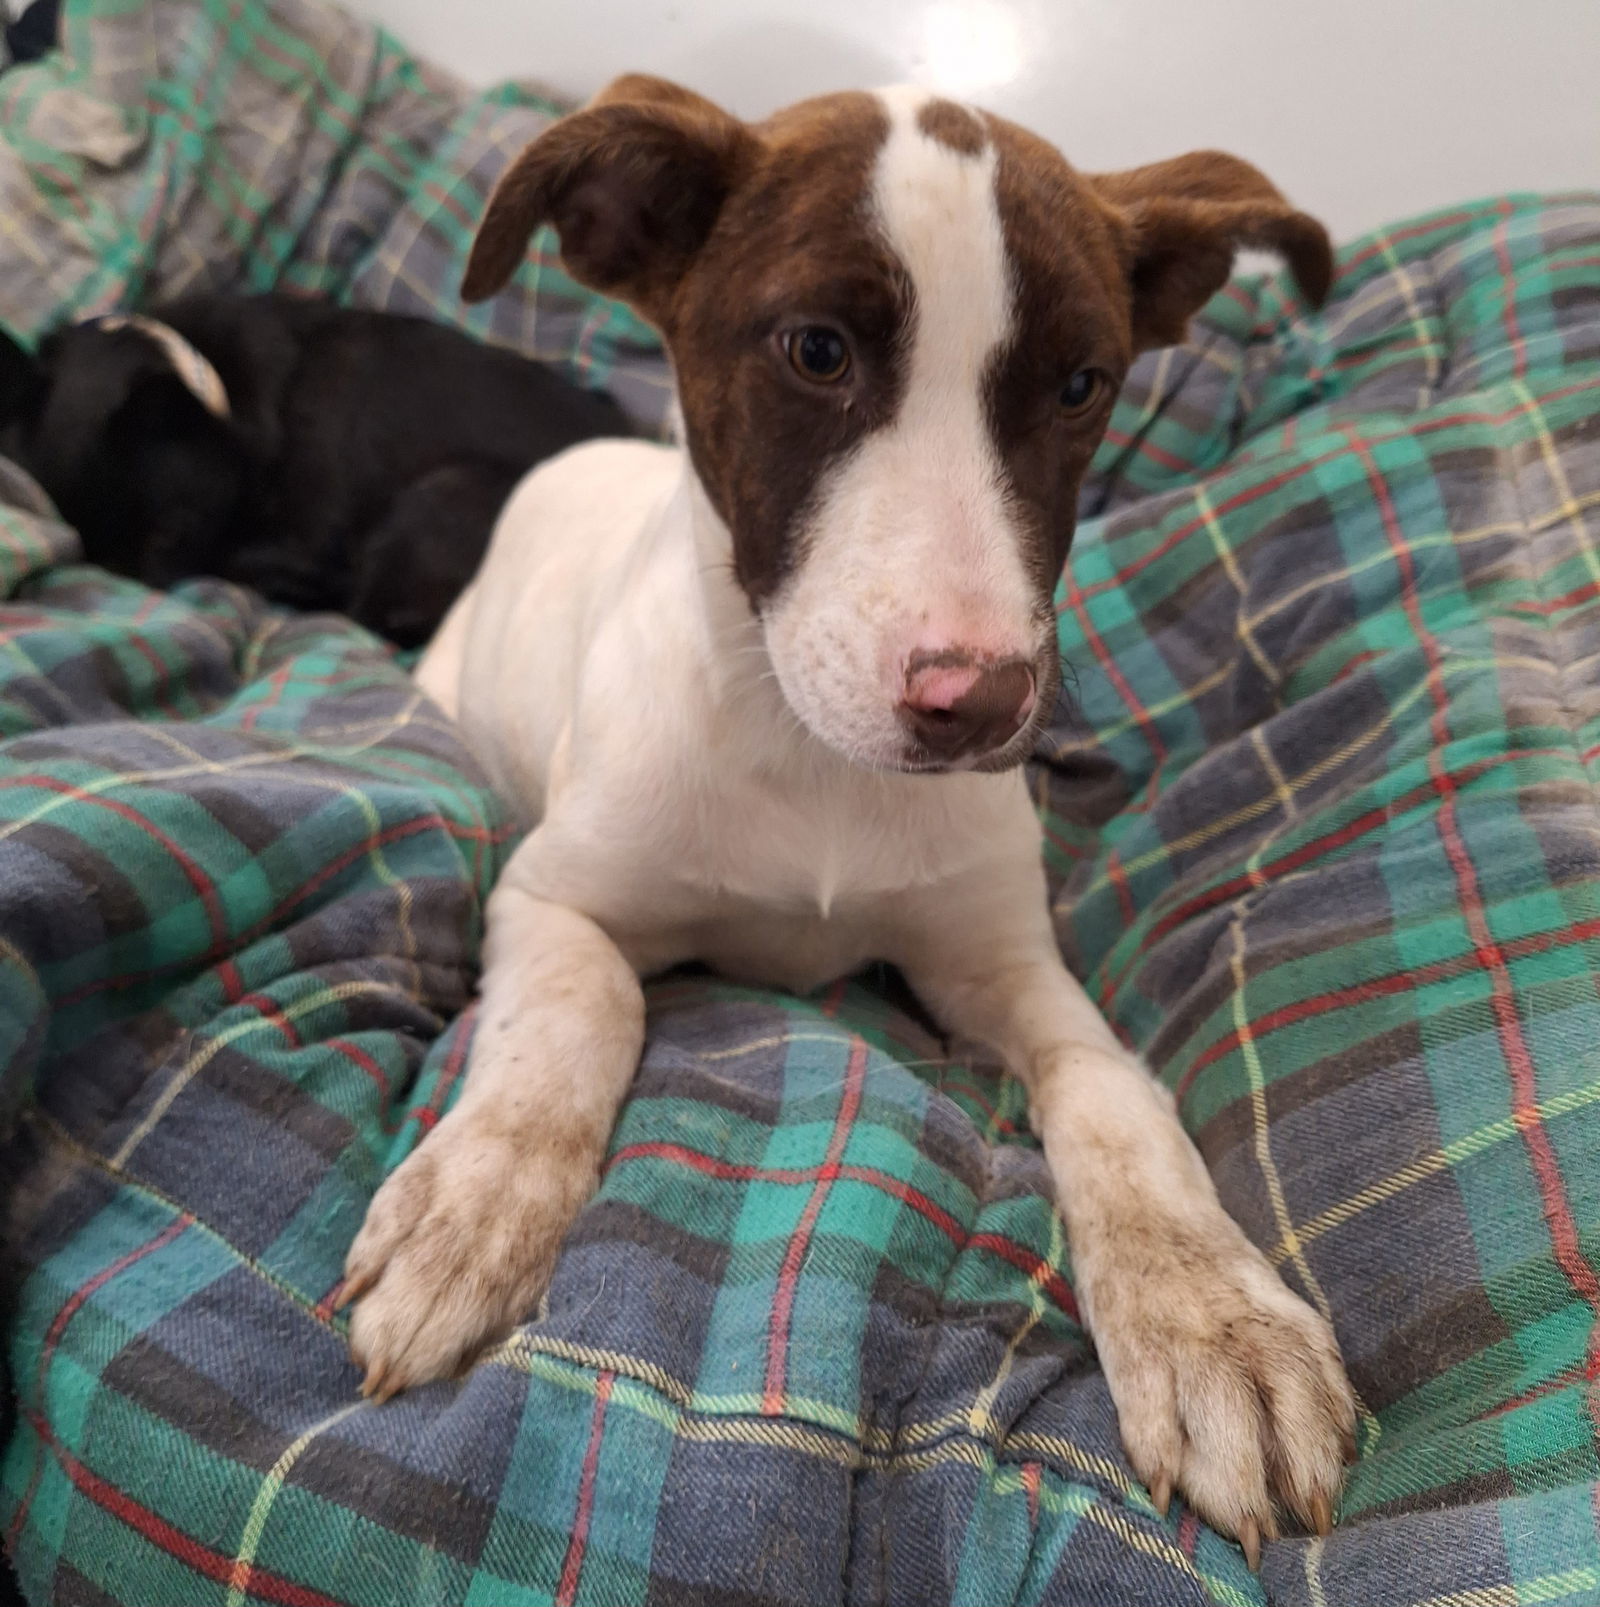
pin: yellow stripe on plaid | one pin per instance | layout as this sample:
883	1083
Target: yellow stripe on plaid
1528	1593
253	1023
307	747
980	1416
1458	665
1261	1129
523	1349
1230	567
1430	1165
361	799
782	1433
261	1507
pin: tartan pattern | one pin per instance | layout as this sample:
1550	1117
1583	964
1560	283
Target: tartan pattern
815	1339
182	145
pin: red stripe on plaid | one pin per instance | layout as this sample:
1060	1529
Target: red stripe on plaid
163	674
1502	252
1543	608
1037	1269
1346	361
971	1091
600	315
735	1172
1076	601
1430	425
1148	448
1053	1284
1372	820
1490	956
1030	1485
1317	848
427	1116
196	877
1076	851
257	1581
277	685
1118	877
388	1121
1076	598
225	946
359	1057
1415	231
1381	987
795	1255
572	1568
465	215
1351	665
271	1012
58	1327
1524	1080
1565	1379
1188	1532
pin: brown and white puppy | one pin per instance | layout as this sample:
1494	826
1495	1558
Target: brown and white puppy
763	703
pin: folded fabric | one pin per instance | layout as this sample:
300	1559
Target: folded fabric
1333	633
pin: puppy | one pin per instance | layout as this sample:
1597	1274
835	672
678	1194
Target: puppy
763	703
330	458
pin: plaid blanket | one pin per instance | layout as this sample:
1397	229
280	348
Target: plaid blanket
1335	625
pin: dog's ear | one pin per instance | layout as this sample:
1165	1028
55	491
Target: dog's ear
21	380
632	184
1186	219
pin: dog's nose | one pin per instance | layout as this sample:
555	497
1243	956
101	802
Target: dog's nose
955	705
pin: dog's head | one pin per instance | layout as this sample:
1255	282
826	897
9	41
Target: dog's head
129	446
898	326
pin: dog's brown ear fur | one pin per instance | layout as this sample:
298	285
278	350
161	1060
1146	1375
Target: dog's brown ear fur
1187	217
632	184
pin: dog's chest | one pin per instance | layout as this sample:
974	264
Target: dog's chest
792	847
788	878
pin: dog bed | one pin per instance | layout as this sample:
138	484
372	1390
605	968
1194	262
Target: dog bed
1323	836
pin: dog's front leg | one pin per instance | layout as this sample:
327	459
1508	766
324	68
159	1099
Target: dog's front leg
460	1240
1227	1385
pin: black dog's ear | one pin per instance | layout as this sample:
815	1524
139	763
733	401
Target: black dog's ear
21	381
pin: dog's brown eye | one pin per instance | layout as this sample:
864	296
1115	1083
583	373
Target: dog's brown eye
818	354
1082	391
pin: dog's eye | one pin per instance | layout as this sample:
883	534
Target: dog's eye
1082	391
818	354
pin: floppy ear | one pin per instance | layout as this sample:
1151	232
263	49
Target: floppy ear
632	184
1187	218
21	380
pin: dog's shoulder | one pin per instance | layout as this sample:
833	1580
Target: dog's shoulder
595	496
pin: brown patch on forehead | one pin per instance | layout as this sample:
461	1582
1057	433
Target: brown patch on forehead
1070	311
953	126
1068	249
795	244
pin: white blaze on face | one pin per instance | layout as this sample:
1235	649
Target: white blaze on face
912	547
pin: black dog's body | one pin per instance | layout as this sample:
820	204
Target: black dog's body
361	466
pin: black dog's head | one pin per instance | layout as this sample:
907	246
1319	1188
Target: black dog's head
131	456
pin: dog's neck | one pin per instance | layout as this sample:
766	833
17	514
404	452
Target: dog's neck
739	677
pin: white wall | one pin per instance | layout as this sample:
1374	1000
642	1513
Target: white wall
1362	110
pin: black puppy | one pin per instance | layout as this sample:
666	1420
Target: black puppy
330	458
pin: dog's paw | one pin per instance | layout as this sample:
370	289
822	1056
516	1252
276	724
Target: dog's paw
1229	1387
457	1247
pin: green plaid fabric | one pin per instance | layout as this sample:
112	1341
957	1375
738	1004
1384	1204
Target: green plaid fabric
1321	826
183	145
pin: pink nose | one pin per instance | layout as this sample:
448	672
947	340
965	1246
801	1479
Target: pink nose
956	704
